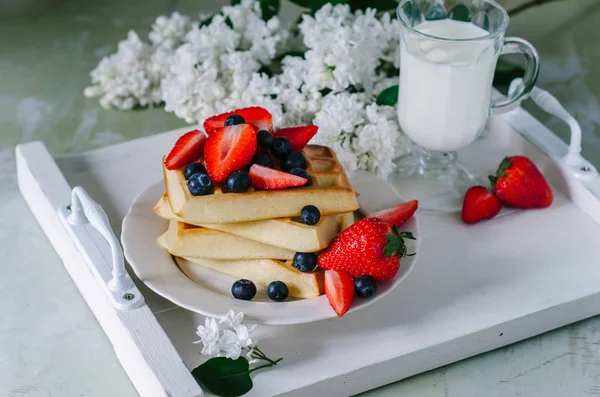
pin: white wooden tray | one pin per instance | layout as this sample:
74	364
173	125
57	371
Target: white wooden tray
475	288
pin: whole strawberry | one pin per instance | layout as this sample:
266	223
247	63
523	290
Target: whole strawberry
520	184
369	247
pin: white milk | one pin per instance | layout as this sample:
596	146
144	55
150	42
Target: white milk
445	86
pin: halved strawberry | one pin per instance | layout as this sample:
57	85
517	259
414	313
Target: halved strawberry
339	288
229	149
298	136
479	204
399	214
187	149
255	115
270	179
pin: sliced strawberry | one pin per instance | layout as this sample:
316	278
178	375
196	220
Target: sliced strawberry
339	288
255	115
399	214
270	179
479	204
187	149
298	136
229	149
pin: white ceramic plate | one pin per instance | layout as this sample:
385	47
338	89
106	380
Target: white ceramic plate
211	294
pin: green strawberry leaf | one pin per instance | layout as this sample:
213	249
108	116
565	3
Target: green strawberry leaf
504	165
396	244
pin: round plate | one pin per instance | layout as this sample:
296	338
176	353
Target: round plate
211	295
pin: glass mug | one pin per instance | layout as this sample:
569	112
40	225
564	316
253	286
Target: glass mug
448	54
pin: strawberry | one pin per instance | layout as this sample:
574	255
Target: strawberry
339	288
479	204
369	247
229	149
519	183
187	149
256	116
298	136
399	214
270	179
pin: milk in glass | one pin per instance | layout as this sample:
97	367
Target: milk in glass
445	93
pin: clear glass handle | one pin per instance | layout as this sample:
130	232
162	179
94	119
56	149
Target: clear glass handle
514	45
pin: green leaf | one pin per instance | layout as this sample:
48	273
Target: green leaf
235	2
207	21
265	70
460	13
388	97
379	5
229	23
224	376
269	8
325	91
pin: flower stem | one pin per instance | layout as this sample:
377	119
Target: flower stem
258	354
265	365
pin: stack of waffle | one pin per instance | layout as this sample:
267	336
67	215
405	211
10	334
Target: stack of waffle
254	235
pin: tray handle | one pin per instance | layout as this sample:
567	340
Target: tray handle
581	168
107	265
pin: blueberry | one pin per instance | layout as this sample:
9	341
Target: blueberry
193	168
238	182
281	147
262	158
305	261
301	173
293	160
200	184
264	139
243	289
365	286
277	291
234	119
310	215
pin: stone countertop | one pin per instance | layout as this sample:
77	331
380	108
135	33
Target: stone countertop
50	343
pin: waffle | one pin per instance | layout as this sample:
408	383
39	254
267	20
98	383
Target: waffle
330	192
198	242
261	272
287	233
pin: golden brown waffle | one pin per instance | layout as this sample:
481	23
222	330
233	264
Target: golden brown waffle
330	192
260	271
198	242
288	233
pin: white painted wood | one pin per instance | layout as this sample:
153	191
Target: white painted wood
475	288
141	345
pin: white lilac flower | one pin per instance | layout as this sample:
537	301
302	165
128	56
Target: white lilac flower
123	79
198	71
365	138
168	32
